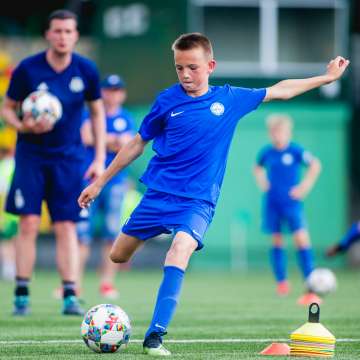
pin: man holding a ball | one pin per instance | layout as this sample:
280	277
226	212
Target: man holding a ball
48	154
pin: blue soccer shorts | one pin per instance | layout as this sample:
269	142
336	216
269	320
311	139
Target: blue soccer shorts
277	215
160	212
58	181
106	212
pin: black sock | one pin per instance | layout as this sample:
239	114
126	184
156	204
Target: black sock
22	286
69	288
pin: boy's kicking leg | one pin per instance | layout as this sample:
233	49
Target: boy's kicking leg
176	262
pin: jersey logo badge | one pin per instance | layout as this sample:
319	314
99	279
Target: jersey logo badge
217	108
287	159
119	124
176	113
43	86
76	84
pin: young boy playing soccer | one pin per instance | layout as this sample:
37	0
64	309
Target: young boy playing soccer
192	124
277	173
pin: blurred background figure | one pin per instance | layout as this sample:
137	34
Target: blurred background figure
106	212
277	173
8	222
48	156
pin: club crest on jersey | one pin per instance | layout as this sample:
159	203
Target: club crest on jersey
217	108
119	124
287	159
76	84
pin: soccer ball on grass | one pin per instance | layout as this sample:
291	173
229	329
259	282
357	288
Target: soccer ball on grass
106	328
321	281
42	103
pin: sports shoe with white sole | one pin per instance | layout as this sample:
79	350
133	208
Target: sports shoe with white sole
153	346
72	306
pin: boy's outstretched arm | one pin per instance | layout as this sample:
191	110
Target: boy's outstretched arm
288	89
301	190
127	154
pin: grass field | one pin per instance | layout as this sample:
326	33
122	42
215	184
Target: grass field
214	308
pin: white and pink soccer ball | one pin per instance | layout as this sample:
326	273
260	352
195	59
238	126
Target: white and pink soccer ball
106	328
321	281
41	103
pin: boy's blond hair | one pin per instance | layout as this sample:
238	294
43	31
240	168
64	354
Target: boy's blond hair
191	41
275	120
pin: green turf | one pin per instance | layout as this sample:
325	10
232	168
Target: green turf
212	306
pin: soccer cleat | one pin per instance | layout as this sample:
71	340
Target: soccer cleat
108	291
283	288
309	298
21	305
59	291
153	346
332	251
72	306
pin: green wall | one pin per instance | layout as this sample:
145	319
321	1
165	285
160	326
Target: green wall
234	240
145	60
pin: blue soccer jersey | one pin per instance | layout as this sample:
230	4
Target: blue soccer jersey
283	169
119	123
192	136
79	82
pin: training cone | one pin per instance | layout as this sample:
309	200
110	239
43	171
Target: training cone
312	339
275	349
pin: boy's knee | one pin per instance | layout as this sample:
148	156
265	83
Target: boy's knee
302	239
118	257
277	240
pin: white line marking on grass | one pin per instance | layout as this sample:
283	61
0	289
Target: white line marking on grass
188	341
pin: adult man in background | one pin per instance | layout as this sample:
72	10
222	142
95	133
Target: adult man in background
48	157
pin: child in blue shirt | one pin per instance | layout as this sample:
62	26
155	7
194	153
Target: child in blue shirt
191	125
278	175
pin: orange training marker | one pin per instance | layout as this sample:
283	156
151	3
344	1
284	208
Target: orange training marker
276	349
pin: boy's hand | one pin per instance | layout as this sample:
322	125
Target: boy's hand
336	68
264	186
299	192
88	195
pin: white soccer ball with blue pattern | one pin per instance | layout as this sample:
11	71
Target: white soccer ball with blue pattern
321	281
106	328
41	103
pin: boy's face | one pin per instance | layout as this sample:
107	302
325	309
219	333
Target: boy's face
280	135
62	35
113	96
193	68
